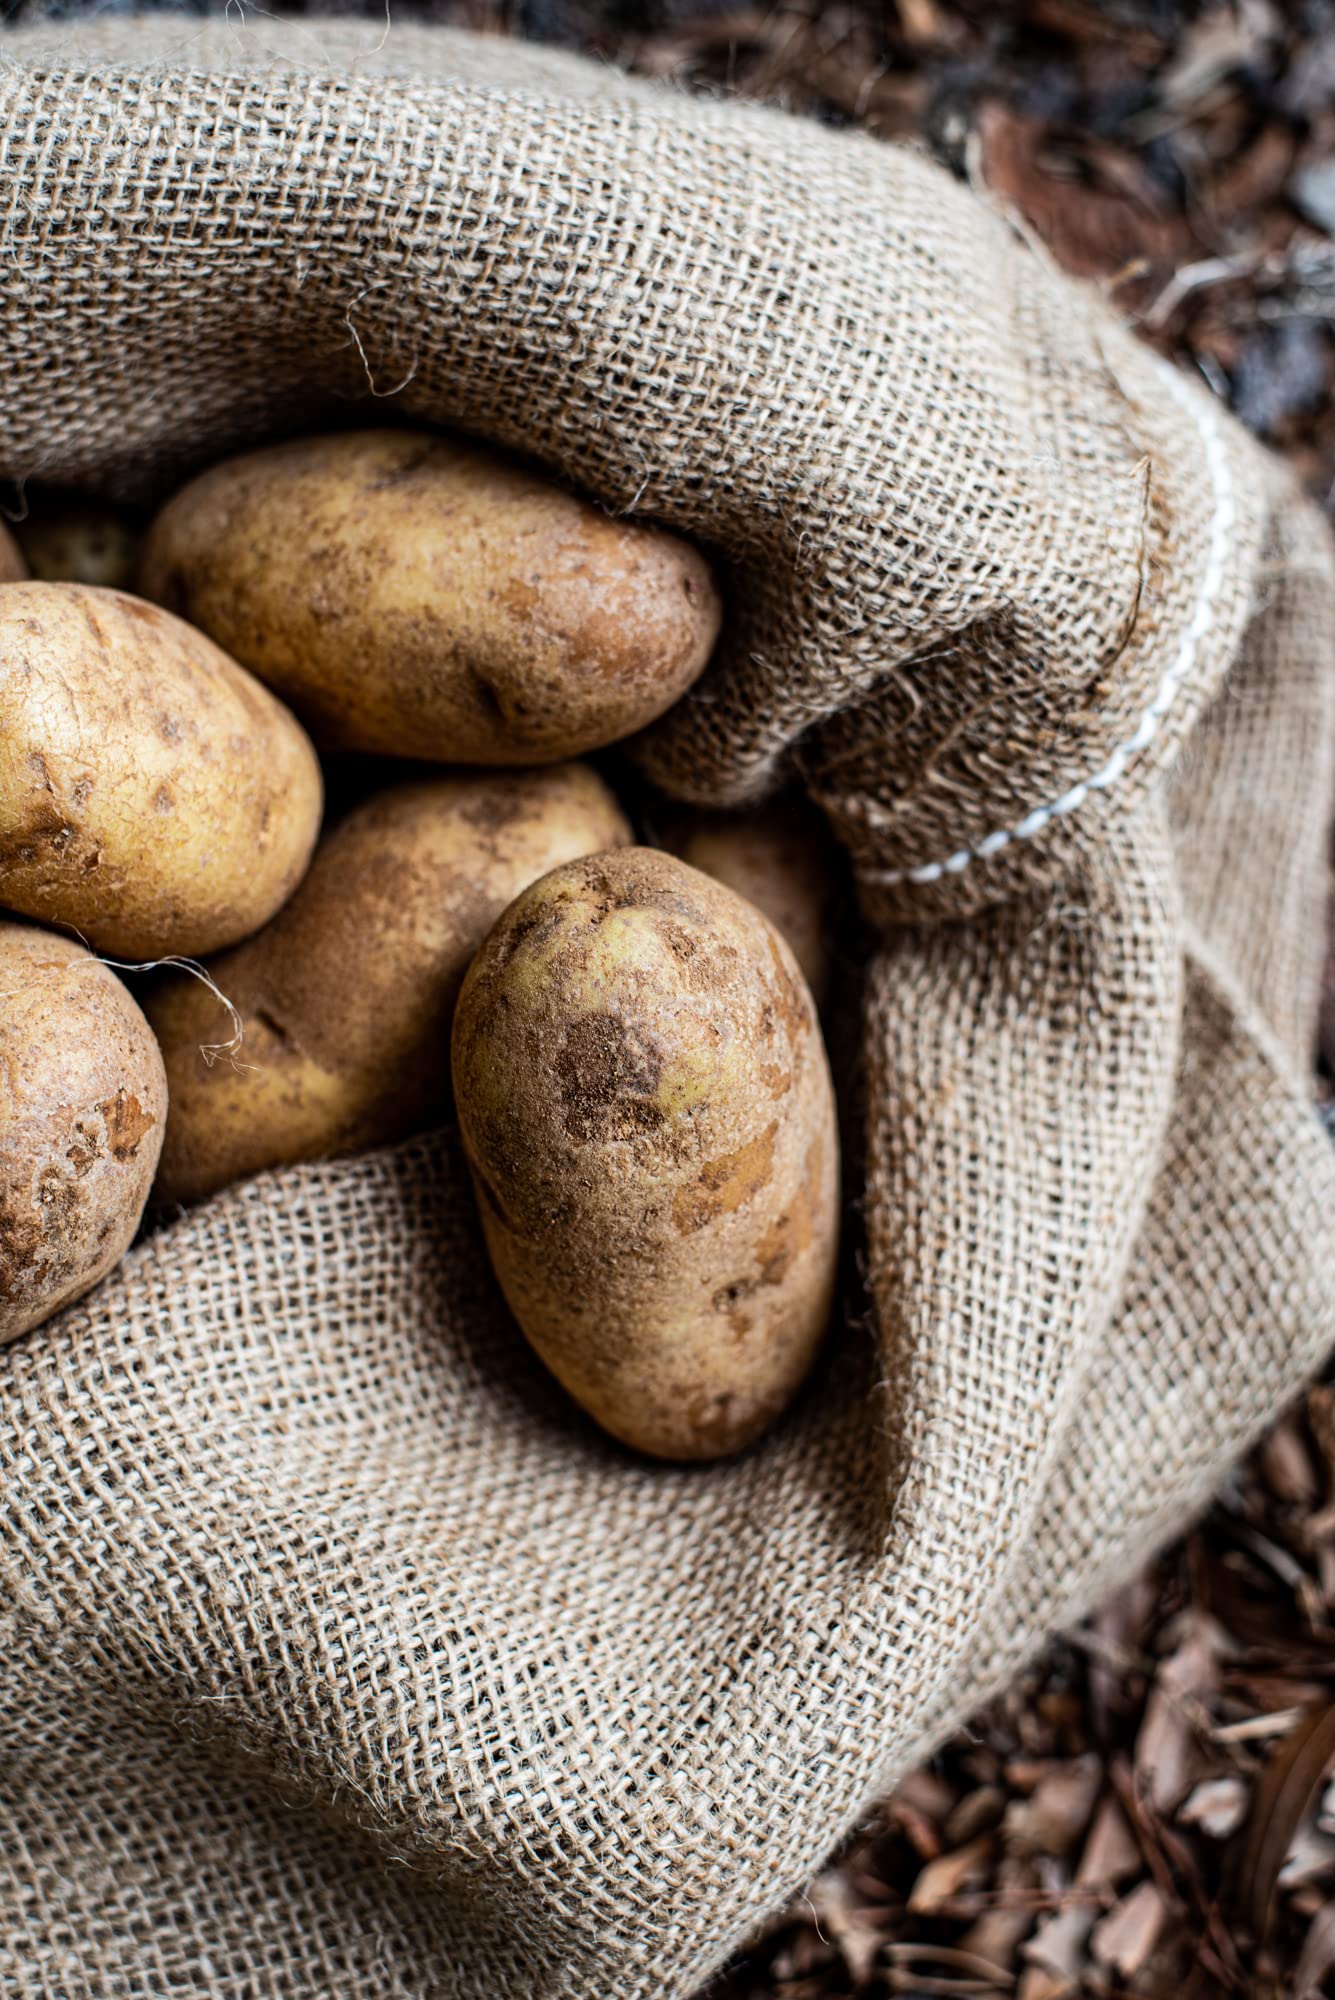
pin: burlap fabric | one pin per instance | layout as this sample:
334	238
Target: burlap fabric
340	1656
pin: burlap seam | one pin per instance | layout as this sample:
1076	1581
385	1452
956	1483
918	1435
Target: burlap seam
1222	520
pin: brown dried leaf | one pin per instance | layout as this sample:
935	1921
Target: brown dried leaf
1285	1793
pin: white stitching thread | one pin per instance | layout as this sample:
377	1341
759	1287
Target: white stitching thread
1202	412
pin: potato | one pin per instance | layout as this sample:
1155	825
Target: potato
418	596
782	858
82	1109
346	998
153	796
646	1106
69	539
12	566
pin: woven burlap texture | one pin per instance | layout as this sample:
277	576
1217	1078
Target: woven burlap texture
340	1656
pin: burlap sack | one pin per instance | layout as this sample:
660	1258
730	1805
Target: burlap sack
340	1656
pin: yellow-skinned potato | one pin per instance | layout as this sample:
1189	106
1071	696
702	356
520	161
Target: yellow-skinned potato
345	999
83	1101
417	596
646	1105
153	796
69	539
13	569
782	858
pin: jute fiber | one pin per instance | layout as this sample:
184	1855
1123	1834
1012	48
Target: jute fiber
340	1656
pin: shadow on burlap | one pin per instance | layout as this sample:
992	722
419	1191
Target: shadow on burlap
340	1655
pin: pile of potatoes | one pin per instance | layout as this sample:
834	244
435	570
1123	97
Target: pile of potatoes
628	1033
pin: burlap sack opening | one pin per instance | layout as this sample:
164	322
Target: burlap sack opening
340	1656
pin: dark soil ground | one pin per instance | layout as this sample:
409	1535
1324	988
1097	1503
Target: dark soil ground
1148	1811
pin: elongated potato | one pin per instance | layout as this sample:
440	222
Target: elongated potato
153	796
346	997
423	597
13	569
782	858
646	1105
83	1101
69	539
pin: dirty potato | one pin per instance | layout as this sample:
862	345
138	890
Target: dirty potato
414	595
153	796
12	566
69	539
646	1105
345	999
781	857
83	1101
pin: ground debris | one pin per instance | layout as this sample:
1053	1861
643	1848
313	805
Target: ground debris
1149	1810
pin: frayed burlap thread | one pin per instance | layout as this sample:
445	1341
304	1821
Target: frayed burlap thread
340	1655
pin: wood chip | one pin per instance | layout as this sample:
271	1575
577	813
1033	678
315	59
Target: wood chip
848	1924
1111	1853
1037	1983
976	1813
1286	1466
1311	1858
1128	1934
1217	1806
1058	1945
1056	1814
926	1793
996	1935
943	1878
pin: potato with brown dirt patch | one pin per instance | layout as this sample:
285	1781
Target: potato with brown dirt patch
422	597
782	857
83	1102
346	998
646	1105
68	538
153	796
13	569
